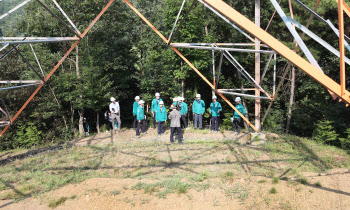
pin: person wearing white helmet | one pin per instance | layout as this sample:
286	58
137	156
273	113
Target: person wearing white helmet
134	110
154	106
198	109
184	110
161	116
215	109
236	120
115	113
141	119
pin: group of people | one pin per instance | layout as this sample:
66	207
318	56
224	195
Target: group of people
177	116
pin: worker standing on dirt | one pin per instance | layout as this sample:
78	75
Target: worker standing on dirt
154	106
86	127
134	111
161	116
215	109
115	110
198	110
175	117
141	119
236	120
183	111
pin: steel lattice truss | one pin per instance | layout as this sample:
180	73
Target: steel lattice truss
269	44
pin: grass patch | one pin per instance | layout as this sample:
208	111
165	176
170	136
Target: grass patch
303	181
318	184
238	191
262	181
273	190
115	192
54	203
275	180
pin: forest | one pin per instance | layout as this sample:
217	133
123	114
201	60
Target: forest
122	57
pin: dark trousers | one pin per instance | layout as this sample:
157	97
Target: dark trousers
144	127
109	125
237	122
183	121
160	127
173	129
134	124
215	123
154	120
198	120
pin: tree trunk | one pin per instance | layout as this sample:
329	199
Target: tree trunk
81	119
81	112
291	99
182	82
72	117
98	122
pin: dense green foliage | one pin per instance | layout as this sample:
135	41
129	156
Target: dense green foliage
122	57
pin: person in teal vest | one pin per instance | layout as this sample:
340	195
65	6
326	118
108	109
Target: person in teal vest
198	110
134	110
154	106
141	119
236	120
183	111
215	109
161	116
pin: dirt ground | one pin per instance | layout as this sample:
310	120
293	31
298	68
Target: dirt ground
248	188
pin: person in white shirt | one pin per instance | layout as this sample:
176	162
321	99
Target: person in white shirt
115	113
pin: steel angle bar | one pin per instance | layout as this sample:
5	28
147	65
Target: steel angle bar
177	18
265	69
242	94
29	64
8	52
237	89
225	19
295	34
217	44
37	60
4	47
171	38
346	8
336	31
66	16
251	78
59	19
317	39
223	48
37	38
47	40
219	69
274	74
14	9
19	86
19	81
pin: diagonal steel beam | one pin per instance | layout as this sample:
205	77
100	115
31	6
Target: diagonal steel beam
336	31
37	60
179	45
219	69
265	69
14	9
177	18
16	87
66	16
59	19
182	21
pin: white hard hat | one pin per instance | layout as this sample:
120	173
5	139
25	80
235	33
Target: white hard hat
113	99
175	99
141	102
198	95
214	97
157	95
238	99
161	102
180	98
137	98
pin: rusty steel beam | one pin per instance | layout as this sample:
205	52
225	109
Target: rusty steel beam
279	47
341	45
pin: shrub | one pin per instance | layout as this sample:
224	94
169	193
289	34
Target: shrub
27	135
324	132
345	142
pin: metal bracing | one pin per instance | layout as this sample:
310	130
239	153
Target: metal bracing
14	9
242	94
66	16
34	40
177	18
274	73
217	44
171	38
265	69
4	47
317	39
228	21
59	19
223	48
37	60
8	52
219	69
19	86
336	31
19	81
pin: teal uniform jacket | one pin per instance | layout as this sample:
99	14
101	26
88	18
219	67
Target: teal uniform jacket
140	113
198	107
214	108
155	104
241	109
184	108
134	108
161	115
